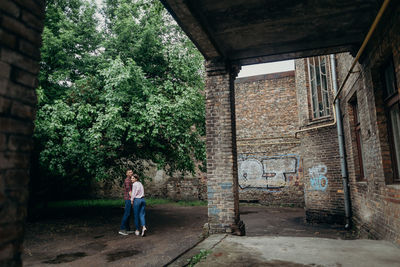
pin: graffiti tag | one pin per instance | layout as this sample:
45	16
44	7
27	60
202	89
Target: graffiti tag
270	174
318	180
250	174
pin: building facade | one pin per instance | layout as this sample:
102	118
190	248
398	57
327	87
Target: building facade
369	103
370	107
323	189
230	34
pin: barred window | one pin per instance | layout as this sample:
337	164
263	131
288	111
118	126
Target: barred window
317	71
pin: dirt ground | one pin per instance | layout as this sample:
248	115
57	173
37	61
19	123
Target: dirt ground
89	236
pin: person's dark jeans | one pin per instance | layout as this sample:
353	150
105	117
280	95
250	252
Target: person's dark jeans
139	213
127	216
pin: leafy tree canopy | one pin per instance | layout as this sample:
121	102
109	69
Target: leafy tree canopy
127	85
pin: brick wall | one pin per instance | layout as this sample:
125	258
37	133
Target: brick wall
323	189
376	199
158	184
222	176
268	152
21	24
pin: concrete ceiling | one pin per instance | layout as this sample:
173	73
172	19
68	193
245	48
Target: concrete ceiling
257	31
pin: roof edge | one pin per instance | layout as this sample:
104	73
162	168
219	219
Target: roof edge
269	76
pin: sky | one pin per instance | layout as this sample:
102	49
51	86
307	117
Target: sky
266	68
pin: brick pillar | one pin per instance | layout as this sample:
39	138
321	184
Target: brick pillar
222	175
21	24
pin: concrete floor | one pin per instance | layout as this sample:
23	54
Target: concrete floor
275	236
279	236
235	251
285	221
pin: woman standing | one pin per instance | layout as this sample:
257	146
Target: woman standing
139	204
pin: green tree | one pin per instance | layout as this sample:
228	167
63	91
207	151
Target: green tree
137	95
70	46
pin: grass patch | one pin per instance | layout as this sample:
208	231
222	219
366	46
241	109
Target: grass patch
198	257
191	203
157	201
85	203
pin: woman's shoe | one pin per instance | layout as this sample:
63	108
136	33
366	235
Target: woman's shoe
137	232
144	231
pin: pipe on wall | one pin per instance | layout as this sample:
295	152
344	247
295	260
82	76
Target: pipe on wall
342	152
363	45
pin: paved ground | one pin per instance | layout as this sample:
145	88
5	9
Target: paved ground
281	221
235	251
275	237
280	237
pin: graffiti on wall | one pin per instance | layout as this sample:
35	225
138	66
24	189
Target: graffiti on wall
267	172
318	180
251	174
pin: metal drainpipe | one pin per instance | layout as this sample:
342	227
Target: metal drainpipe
343	163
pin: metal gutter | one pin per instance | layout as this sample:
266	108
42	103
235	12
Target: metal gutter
342	152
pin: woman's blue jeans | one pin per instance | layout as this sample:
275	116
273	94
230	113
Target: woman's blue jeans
139	205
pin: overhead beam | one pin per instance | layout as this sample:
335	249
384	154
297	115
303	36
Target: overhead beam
185	19
256	31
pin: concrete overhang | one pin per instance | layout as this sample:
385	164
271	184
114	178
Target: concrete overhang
256	31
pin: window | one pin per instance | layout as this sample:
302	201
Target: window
391	102
317	73
357	133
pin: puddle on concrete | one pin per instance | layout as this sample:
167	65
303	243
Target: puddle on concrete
117	255
69	257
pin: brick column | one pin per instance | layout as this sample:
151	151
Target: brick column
222	175
21	24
